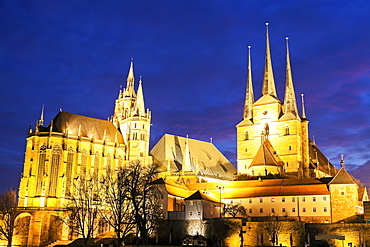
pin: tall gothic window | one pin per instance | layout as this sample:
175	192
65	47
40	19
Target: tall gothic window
287	130
40	169
54	168
96	163
109	162
83	163
69	168
119	162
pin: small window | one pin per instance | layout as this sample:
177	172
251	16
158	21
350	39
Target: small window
324	198
325	209
293	199
303	210
246	136
303	199
283	199
290	148
199	213
250	200
314	209
283	210
273	210
191	213
272	199
286	130
250	210
246	150
261	210
342	193
293	210
314	199
261	200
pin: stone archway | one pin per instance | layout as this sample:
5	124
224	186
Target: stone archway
51	229
22	229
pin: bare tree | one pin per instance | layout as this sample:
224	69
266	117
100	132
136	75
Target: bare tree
83	207
144	197
273	226
117	209
8	213
235	209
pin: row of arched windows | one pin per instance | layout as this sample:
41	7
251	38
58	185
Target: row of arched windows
55	164
266	130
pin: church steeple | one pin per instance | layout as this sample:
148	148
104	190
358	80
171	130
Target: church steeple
140	99
290	105
249	97
268	87
41	121
130	80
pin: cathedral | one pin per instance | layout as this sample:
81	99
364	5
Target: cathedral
280	170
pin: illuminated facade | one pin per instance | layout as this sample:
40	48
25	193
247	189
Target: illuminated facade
280	171
72	146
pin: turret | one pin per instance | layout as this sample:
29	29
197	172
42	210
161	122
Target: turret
268	87
290	105
249	97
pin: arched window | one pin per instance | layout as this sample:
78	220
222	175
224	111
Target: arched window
109	162
246	135
40	169
54	169
69	167
83	163
96	163
287	130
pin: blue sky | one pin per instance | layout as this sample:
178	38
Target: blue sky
192	56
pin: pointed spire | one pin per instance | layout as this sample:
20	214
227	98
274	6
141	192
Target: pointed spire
290	104
249	97
303	108
130	79
140	99
268	87
41	121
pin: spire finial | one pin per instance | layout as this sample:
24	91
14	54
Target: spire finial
290	104
303	108
342	160
41	122
249	96
130	77
268	87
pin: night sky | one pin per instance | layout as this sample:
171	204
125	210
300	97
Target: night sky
192	56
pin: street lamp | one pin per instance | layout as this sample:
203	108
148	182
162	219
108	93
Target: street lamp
220	188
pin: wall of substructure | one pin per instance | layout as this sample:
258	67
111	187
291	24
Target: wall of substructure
238	232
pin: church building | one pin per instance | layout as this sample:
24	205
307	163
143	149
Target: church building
280	170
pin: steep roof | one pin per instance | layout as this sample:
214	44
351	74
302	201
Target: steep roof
204	157
342	177
318	158
201	196
266	156
84	126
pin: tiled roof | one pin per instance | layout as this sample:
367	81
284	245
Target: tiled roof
204	157
201	196
266	156
65	121
342	177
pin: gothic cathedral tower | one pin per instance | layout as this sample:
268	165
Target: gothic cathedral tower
272	138
133	120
